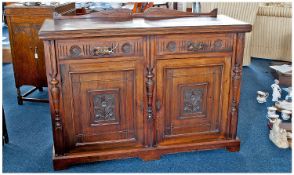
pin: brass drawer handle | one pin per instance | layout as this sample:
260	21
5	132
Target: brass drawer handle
100	51
196	46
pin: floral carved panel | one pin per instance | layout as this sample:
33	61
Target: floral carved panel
104	106
193	100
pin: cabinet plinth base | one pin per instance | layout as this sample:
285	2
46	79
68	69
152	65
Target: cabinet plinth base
150	155
233	148
146	154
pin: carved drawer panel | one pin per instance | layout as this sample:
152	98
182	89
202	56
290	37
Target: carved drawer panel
100	47
185	44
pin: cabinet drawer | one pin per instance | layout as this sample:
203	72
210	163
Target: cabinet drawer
100	47
197	43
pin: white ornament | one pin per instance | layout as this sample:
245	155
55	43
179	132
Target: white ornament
272	118
271	111
286	114
284	105
261	96
276	91
289	96
278	135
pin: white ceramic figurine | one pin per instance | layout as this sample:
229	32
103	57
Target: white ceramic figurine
276	90
286	115
261	96
278	135
289	96
271	111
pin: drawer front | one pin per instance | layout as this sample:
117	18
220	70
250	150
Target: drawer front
100	47
197	43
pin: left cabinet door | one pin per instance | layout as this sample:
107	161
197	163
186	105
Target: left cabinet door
102	105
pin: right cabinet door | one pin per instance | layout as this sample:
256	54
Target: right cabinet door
192	99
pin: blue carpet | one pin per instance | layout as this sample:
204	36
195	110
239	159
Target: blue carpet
30	147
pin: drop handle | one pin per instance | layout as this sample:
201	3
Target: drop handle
97	51
191	46
36	53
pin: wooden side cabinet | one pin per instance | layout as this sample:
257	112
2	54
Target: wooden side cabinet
135	87
24	23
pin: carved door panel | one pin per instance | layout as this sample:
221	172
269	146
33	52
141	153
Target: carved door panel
103	105
193	93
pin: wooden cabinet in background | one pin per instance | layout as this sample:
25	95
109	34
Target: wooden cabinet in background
27	49
134	87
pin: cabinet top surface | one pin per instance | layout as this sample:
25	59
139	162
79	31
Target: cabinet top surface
53	28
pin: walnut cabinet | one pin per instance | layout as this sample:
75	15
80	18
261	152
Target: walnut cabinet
138	87
24	23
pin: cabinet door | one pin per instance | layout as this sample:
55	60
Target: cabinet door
38	48
24	42
103	105
194	95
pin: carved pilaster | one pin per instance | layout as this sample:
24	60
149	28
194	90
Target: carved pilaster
53	79
149	91
236	81
237	72
55	100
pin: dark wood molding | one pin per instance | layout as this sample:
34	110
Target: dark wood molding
161	13
150	13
